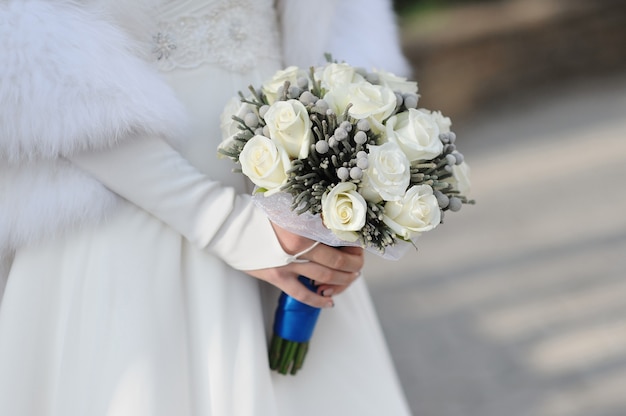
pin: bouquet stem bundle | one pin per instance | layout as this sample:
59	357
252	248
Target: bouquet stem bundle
287	356
294	322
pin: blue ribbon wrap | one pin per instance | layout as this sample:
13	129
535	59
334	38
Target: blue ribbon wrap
294	320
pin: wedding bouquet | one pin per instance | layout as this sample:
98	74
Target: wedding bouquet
344	156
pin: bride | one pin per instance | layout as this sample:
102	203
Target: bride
140	279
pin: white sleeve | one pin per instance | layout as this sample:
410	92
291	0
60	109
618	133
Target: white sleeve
149	173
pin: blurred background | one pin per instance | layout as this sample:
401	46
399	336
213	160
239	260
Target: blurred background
517	306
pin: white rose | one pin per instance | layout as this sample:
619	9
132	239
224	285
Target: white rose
417	212
396	83
442	121
271	88
265	163
372	102
388	174
461	178
336	75
234	107
344	211
289	125
417	134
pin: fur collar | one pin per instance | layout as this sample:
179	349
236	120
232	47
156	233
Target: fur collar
70	81
74	83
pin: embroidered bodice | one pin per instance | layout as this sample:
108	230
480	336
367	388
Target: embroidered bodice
190	33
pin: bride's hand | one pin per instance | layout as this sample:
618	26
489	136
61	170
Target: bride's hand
332	269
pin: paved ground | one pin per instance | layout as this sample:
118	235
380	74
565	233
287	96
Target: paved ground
517	306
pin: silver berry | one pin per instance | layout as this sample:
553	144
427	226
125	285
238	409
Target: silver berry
341	134
307	98
410	100
263	110
455	204
363	125
322	147
251	120
360	137
356	173
322	105
294	91
302	82
363	162
343	173
442	199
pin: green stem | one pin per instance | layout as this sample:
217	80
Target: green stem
303	348
275	349
288	354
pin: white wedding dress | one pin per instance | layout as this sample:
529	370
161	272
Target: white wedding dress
128	318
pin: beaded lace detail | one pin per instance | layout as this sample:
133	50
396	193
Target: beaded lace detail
232	34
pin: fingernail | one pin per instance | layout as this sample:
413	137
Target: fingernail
327	292
330	304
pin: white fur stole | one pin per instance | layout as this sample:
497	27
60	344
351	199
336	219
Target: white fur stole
70	81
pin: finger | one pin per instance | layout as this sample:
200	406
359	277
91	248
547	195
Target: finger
352	249
294	288
336	259
322	274
330	290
